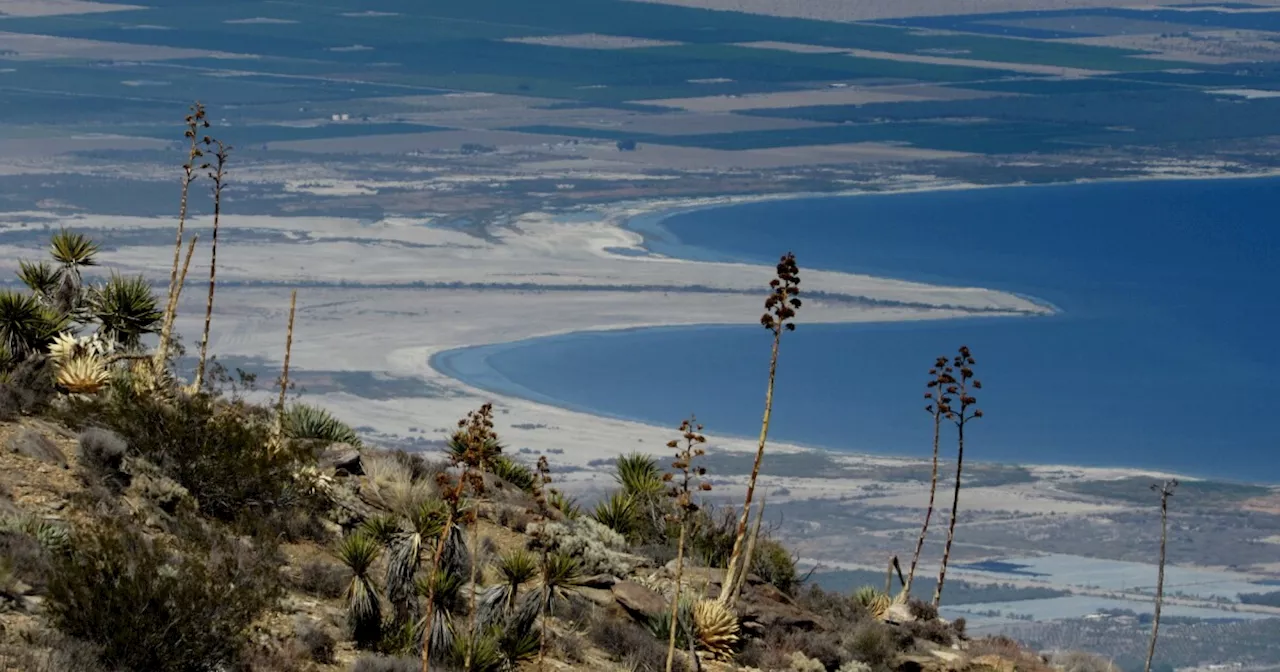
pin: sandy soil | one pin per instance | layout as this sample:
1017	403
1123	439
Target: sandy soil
864	10
1028	68
58	7
1211	47
41	47
593	41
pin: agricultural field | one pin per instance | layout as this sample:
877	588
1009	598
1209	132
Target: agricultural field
682	80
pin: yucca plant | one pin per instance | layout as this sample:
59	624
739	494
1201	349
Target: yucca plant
618	512
564	504
307	422
479	651
559	577
381	528
73	250
513	472
126	309
364	611
443	592
26	326
716	629
426	524
40	277
514	570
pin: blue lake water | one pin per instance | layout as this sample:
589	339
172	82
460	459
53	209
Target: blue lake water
1163	354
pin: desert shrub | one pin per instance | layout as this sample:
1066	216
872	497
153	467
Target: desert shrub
48	651
149	606
838	607
711	536
1079	661
774	563
753	654
26	388
379	663
933	631
854	666
598	547
569	647
26	557
803	663
657	554
102	455
316	642
514	519
873	643
921	610
322	579
626	642
1010	650
216	450
824	647
959	626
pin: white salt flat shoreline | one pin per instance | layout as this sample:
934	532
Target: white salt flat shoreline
381	322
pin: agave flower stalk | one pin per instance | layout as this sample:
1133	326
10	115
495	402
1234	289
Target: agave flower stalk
963	363
780	311
1166	491
685	479
218	176
939	407
196	121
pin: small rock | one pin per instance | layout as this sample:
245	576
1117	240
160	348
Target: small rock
598	596
30	443
599	581
637	599
899	613
341	457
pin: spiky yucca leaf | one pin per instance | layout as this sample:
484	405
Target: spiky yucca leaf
514	570
86	374
126	308
512	472
26	326
660	624
381	528
73	249
617	512
866	595
560	575
447	603
41	277
64	347
483	650
716	628
304	421
567	505
638	474
364	610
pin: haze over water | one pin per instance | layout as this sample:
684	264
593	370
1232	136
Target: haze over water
1163	355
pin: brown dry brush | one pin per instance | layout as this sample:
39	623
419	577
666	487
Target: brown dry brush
196	121
685	479
939	407
1166	491
779	311
220	153
963	364
475	433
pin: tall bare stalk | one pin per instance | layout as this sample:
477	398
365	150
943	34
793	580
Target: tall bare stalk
284	371
749	557
218	175
196	121
685	480
1166	491
939	406
963	363
780	309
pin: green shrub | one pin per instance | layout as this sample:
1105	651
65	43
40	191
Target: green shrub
873	643
102	455
218	451
513	472
147	606
773	563
26	388
312	423
632	645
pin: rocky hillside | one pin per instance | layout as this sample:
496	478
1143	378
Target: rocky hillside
138	527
